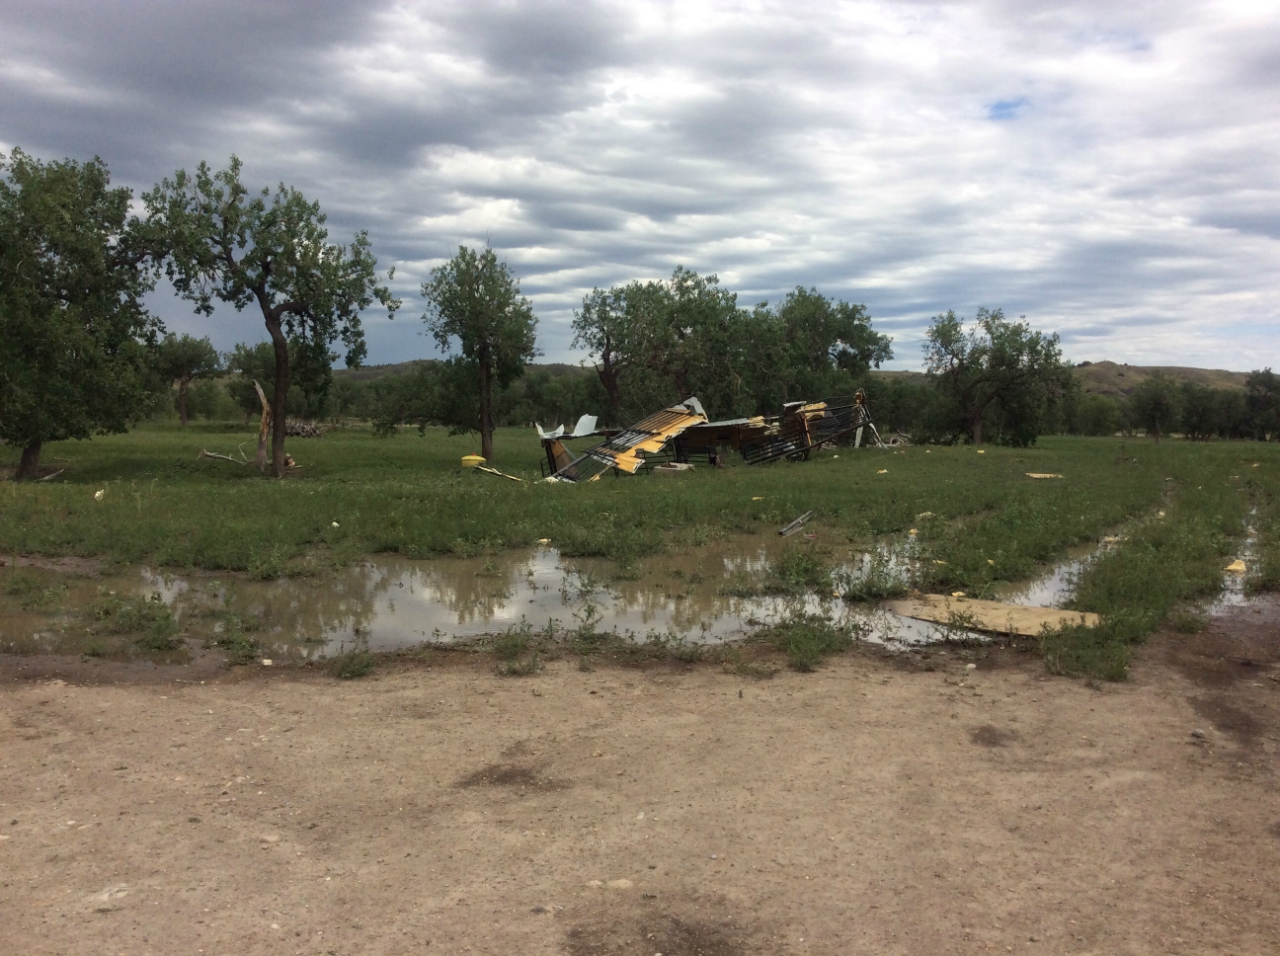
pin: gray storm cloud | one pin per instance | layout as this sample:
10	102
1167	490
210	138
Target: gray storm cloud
1107	170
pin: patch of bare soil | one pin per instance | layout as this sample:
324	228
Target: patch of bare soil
1233	669
866	808
670	927
86	567
200	664
989	736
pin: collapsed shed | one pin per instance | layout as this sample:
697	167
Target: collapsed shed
682	432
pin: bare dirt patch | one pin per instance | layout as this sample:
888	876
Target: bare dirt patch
71	564
630	930
509	775
1233	669
200	664
989	736
868	807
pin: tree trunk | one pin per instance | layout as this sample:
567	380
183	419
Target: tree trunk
608	373
30	459
975	428
281	345
486	411
261	459
182	400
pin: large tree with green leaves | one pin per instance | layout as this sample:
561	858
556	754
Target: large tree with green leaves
622	330
820	336
182	360
474	299
271	249
995	367
1156	404
661	342
74	333
1262	390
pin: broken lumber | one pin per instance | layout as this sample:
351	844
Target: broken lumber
995	617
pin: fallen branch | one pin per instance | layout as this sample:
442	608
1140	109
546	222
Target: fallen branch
796	525
213	454
54	475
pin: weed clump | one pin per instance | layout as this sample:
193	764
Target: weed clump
353	664
877	580
30	591
808	638
149	618
235	637
798	571
1076	650
1187	620
517	652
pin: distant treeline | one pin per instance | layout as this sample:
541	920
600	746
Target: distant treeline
653	344
419	392
1160	405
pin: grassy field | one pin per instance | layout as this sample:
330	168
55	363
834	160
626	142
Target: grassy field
979	520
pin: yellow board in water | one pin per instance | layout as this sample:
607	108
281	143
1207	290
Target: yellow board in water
470	461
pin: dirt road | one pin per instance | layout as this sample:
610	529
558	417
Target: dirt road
872	807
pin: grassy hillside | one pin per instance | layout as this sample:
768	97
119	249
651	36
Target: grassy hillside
368	373
1108	378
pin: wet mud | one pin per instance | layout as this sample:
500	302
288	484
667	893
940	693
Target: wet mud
1233	667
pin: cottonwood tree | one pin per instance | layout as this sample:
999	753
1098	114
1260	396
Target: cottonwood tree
271	249
621	330
1262	390
665	341
820	335
249	364
183	360
995	366
474	299
1156	404
74	334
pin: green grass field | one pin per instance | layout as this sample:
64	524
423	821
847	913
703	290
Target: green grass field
980	520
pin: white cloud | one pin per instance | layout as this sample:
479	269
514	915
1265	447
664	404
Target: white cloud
1107	170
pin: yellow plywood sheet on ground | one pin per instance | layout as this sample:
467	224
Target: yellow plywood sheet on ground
993	616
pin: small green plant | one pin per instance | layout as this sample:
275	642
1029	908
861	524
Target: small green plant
149	618
799	570
877	579
585	639
959	626
30	590
1187	620
1076	650
516	652
733	662
353	664
807	638
267	564
235	636
1264	577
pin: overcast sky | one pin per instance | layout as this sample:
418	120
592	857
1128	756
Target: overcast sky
1110	170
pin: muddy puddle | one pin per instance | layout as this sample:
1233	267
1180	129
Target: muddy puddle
1233	593
719	592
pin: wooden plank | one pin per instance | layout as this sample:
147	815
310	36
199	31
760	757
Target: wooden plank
996	617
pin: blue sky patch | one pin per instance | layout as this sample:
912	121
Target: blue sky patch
1006	109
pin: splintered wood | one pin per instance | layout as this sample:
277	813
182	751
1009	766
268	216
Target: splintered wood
993	616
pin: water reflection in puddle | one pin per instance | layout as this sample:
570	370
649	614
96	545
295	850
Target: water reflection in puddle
1233	582
709	595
